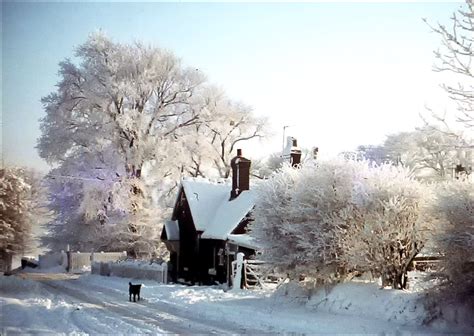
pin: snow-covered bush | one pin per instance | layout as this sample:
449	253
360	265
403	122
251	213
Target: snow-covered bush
384	227
340	218
455	205
15	208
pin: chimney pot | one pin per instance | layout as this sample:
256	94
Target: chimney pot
240	174
295	154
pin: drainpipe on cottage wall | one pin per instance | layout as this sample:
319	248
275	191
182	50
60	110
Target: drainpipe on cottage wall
198	263
227	251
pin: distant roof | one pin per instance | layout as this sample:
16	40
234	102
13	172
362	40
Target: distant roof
213	214
172	230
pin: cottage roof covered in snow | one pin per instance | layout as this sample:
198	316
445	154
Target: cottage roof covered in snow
172	230
213	213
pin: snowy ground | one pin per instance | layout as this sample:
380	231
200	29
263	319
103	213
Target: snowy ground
35	303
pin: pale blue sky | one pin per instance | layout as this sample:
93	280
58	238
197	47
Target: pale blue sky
342	74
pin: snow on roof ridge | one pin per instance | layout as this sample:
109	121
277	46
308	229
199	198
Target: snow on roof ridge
212	211
201	179
229	214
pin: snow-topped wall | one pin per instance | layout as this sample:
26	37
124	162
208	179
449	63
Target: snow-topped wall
133	269
51	260
77	261
108	256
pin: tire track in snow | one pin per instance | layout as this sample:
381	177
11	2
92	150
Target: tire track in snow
104	306
164	317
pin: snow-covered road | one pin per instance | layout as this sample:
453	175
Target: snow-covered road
34	303
147	316
78	307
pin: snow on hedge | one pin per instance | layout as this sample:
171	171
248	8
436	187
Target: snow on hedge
454	203
339	218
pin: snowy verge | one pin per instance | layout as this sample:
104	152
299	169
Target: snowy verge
363	299
367	299
351	307
347	308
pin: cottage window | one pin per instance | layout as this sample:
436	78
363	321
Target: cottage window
214	257
221	257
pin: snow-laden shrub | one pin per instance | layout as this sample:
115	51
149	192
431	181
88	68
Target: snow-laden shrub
16	203
455	205
340	218
384	227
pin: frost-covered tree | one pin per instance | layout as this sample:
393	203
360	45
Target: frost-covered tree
225	125
120	101
454	203
17	204
206	147
86	223
125	123
107	125
340	218
455	57
428	152
376	154
266	166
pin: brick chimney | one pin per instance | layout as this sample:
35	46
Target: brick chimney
295	154
292	152
240	174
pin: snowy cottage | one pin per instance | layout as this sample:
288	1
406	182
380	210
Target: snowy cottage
208	225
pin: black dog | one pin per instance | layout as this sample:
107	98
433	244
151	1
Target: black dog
134	290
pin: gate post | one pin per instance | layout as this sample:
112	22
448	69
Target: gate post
237	281
69	261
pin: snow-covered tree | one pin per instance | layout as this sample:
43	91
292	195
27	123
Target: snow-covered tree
234	123
376	154
429	152
266	166
122	127
120	101
86	223
454	204
338	218
17	204
106	123
455	57
225	124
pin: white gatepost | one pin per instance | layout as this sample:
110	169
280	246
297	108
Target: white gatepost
164	273
237	280
63	259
